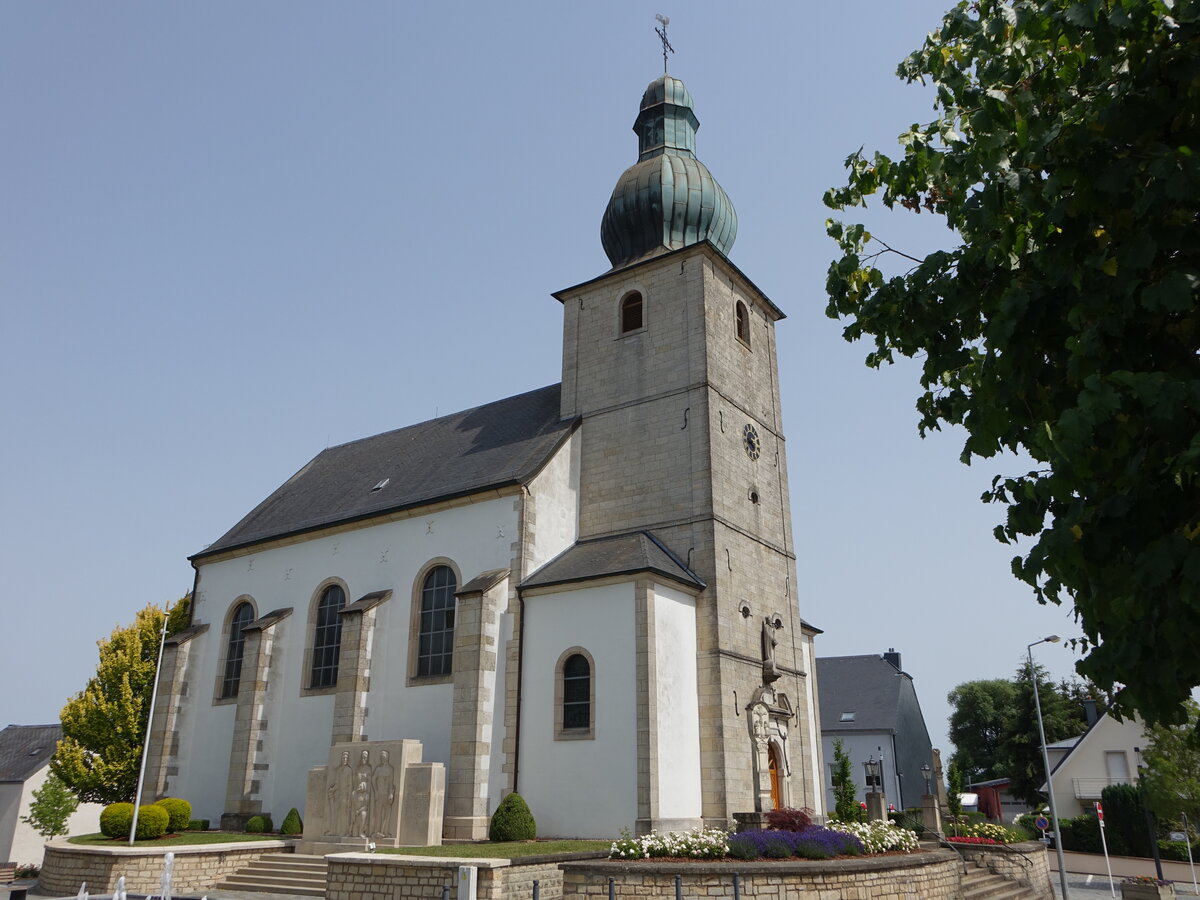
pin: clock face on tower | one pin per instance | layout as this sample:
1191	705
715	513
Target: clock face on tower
751	441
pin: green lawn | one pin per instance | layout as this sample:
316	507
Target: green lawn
504	849
173	840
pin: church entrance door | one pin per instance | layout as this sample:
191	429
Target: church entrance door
773	764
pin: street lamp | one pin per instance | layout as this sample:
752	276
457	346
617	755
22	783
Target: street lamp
927	771
876	811
1062	865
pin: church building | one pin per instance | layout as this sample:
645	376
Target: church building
585	593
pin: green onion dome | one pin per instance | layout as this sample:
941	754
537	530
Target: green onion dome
668	199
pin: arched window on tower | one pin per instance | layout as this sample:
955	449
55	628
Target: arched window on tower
742	318
435	640
235	649
327	637
631	313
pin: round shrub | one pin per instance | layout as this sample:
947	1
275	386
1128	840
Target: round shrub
115	820
152	822
512	821
179	813
292	823
259	824
789	819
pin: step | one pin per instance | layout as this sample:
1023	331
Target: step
232	884
280	865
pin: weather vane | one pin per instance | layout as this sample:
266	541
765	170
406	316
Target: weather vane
662	34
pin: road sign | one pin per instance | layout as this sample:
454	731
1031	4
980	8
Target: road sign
1100	813
1041	823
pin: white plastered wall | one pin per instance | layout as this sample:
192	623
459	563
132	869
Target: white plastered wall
678	725
388	556
1085	770
19	842
580	788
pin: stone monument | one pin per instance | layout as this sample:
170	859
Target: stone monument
374	792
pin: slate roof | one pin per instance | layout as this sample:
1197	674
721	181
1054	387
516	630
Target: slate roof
623	554
26	748
490	446
868	686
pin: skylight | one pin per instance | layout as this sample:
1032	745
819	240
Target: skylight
848	716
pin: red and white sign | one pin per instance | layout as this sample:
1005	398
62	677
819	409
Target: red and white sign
1100	813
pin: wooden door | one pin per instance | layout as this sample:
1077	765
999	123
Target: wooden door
776	787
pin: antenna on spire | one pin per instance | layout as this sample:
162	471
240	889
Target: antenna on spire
662	34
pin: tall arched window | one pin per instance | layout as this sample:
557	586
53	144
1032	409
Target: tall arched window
742	317
243	615
327	637
575	696
631	313
435	638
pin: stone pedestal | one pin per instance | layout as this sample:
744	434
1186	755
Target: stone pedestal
931	814
377	791
876	807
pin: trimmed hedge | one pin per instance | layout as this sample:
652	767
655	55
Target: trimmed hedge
512	820
179	813
259	824
197	825
115	820
152	822
292	823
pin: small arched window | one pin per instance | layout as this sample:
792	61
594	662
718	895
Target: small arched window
631	313
235	649
435	640
327	637
742	318
575	696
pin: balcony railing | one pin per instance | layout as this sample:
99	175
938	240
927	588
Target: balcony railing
1090	788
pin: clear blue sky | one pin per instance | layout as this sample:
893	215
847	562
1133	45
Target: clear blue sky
232	234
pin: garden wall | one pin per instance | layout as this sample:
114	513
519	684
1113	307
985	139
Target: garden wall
1027	863
386	876
197	868
932	875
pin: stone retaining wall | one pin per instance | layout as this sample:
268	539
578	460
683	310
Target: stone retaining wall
197	867
933	875
1027	863
386	876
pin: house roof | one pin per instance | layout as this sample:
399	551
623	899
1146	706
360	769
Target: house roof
490	446
26	748
622	554
867	686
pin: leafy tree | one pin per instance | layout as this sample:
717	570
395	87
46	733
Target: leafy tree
1171	775
845	793
1062	321
980	718
104	725
51	807
954	779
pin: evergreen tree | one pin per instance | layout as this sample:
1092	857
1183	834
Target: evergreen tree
104	725
845	794
1020	756
53	803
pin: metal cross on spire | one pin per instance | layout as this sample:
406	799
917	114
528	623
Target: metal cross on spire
662	34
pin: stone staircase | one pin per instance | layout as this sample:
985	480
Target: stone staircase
279	873
979	883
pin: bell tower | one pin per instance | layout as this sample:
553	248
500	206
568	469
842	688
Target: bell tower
669	359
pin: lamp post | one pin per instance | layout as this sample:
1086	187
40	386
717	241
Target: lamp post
1058	848
875	803
927	771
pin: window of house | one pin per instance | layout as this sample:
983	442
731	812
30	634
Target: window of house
327	637
235	648
631	313
435	640
742	319
575	696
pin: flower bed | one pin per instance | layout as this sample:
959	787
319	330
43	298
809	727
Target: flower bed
814	842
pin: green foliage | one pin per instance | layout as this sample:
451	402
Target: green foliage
51	807
741	848
845	793
197	825
260	824
292	823
152	822
1171	776
1125	818
179	813
954	779
980	715
115	820
1063	319
1021	759
104	725
512	821
1082	833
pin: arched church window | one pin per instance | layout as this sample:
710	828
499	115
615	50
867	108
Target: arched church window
235	648
327	637
742	318
435	639
631	313
575	696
